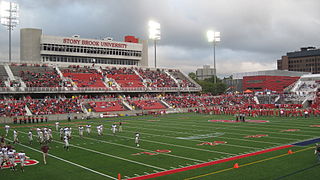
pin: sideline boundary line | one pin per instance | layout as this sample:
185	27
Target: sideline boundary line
247	164
208	163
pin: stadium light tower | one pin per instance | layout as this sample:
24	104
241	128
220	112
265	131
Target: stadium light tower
214	37
154	33
9	13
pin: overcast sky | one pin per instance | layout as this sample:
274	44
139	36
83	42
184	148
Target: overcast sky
254	33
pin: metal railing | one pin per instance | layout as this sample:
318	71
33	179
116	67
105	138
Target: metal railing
93	89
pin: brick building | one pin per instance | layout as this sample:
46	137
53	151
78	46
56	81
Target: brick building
305	60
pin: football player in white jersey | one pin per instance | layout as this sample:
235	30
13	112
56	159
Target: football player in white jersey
4	150
65	131
46	136
137	139
81	131
30	136
6	128
66	143
50	134
70	132
1	158
88	128
38	132
22	157
11	155
113	129
15	137
99	130
61	133
57	126
41	137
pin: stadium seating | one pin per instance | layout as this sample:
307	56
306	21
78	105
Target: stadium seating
103	106
53	106
125	77
147	104
83	76
37	76
182	79
157	78
3	76
12	108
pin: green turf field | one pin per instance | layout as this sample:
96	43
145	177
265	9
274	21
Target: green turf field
103	157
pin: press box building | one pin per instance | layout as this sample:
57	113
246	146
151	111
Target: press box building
36	47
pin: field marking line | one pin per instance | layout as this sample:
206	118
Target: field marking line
132	147
231	126
202	126
61	159
117	144
291	122
186	147
105	154
217	137
247	134
173	171
247	147
247	164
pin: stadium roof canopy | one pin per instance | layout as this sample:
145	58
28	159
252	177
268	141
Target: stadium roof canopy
269	73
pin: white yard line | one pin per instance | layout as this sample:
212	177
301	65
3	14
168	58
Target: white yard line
211	132
75	164
166	154
199	127
109	155
247	147
186	147
290	122
132	147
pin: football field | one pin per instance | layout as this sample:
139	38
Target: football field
176	146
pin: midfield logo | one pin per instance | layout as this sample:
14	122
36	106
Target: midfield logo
27	162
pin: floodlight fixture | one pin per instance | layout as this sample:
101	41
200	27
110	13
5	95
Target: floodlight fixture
154	30
214	37
9	13
155	35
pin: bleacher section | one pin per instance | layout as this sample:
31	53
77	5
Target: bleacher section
156	79
12	108
42	78
83	77
125	77
3	76
105	106
267	99
182	79
37	76
53	106
147	104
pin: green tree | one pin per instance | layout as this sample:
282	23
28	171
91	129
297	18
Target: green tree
193	76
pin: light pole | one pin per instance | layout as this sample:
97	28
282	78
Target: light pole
154	33
214	37
9	18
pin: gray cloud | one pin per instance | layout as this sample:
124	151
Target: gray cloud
254	33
